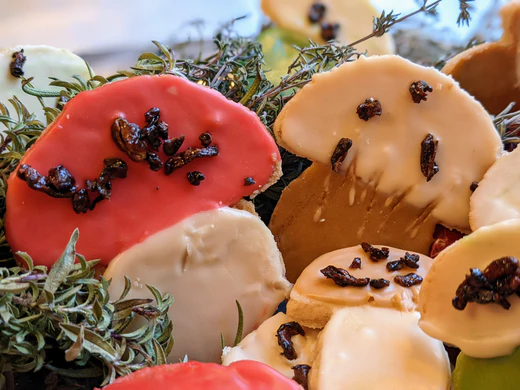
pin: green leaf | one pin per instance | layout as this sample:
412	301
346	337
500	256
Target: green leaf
160	356
240	328
126	290
92	341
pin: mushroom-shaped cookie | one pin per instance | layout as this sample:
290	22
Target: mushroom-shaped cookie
40	63
325	20
491	71
146	169
361	275
396	148
497	197
469	297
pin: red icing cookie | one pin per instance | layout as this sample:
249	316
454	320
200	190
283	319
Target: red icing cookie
242	375
144	202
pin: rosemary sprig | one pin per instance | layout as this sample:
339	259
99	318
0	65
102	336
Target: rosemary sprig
68	309
507	124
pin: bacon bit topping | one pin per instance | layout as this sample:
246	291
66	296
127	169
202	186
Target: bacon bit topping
284	334
375	253
356	263
301	375
343	278
419	91
408	280
195	177
429	167
370	108
379	283
340	153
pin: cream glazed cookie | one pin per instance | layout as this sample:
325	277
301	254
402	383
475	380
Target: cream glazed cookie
387	163
38	62
362	275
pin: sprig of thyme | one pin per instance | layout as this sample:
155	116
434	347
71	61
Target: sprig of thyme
68	309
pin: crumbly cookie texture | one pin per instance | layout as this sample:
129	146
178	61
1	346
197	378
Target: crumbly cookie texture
491	71
479	330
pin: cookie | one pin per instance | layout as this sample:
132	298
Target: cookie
491	71
315	296
388	164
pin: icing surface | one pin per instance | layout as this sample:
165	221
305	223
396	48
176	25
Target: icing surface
386	149
42	62
481	331
355	18
312	284
367	348
207	262
262	345
145	202
497	197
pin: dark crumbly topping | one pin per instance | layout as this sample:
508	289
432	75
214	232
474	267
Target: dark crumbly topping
343	278
356	263
340	153
429	167
375	253
195	177
495	284
115	168
370	108
249	181
301	375
16	66
154	161
317	12
59	183
172	146
473	186
419	91
284	335
379	283
410	260
205	139
190	154
392	266
128	137
329	31
408	280
81	201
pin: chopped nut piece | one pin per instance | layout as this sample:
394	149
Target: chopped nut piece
419	91
356	263
301	375
340	153
181	159
128	137
428	152
154	161
375	253
195	177
408	280
370	108
172	146
343	278
329	31
379	283
284	334
81	201
17	64
394	265
317	12
411	260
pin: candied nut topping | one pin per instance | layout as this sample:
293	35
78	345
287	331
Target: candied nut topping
284	335
154	161
419	91
128	137
329	31
205	139
317	12
408	280
16	66
195	177
499	280
379	283
343	278
172	146
340	153
81	201
301	375
356	263
181	159
394	265
429	167
370	108
249	181
375	253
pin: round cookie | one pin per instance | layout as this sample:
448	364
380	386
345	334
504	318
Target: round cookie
379	178
491	71
314	297
354	20
479	330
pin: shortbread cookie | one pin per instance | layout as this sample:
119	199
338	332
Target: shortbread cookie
316	296
469	297
400	159
491	71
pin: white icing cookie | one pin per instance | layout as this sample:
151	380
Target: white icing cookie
354	17
368	348
261	345
207	262
42	62
386	149
480	330
315	298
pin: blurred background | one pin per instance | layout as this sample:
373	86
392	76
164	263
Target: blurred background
110	34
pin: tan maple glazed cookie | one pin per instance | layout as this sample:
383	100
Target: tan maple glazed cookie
491	71
395	149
